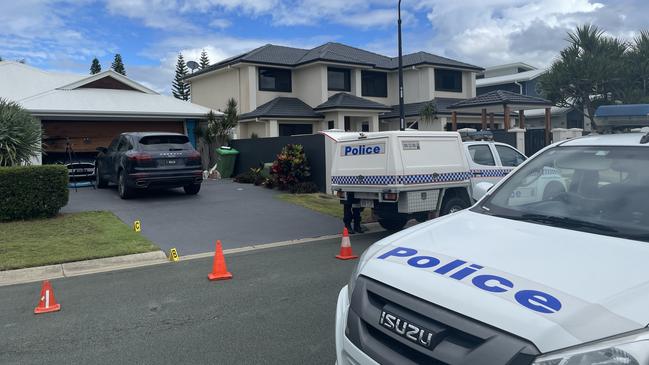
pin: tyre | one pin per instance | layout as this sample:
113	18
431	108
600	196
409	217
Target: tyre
453	204
124	191
100	182
394	222
192	189
422	217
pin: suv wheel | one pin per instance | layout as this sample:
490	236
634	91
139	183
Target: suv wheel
100	182
123	190
192	189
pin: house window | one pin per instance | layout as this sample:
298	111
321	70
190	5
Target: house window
374	84
274	79
448	80
338	79
330	124
365	127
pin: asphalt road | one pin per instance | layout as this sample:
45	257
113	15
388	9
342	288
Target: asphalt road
237	214
278	309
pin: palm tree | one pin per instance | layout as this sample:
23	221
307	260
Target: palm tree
428	112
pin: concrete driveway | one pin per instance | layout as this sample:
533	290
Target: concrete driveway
237	214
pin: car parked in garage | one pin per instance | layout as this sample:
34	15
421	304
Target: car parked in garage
142	160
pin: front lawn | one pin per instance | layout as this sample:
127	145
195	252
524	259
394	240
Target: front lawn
323	203
66	238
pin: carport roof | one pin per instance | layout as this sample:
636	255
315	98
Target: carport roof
494	101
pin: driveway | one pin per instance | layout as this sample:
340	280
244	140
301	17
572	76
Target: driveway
237	214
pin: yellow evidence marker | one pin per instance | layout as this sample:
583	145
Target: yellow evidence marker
173	255
137	226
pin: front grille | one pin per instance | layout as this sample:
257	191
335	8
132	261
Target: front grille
455	339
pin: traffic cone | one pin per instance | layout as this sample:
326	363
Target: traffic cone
346	247
47	303
219	269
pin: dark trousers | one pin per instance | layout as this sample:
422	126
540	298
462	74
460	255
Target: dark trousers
349	214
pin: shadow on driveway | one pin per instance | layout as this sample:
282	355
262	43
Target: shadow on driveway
237	214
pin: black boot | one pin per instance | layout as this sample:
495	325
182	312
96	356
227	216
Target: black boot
359	229
350	230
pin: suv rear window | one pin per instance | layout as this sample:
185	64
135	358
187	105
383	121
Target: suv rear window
156	143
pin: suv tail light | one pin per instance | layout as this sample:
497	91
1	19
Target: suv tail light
140	158
194	158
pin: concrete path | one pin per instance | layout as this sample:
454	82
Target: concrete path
237	214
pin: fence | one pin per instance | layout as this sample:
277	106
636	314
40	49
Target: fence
503	136
257	151
534	141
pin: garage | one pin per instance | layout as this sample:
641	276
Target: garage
79	113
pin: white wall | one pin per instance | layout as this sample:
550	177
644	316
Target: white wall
310	84
214	89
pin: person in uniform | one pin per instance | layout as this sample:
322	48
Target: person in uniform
352	214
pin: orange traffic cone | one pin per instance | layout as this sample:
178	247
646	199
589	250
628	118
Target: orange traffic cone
346	248
47	303
219	269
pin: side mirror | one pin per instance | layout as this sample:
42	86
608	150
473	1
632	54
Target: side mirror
102	149
481	189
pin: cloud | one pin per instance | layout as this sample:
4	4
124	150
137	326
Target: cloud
220	23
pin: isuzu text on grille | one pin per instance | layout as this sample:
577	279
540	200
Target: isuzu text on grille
463	271
406	329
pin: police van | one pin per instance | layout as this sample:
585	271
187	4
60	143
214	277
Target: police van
555	279
413	174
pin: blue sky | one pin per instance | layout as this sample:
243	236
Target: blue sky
65	35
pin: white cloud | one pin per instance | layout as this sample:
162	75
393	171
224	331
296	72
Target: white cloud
220	23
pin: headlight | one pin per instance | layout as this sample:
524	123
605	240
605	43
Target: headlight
627	349
352	279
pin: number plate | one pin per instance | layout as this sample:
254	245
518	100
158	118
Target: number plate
367	203
171	162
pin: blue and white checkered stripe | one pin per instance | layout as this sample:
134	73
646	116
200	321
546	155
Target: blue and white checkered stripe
402	179
490	172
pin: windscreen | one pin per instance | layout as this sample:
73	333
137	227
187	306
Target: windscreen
165	143
601	190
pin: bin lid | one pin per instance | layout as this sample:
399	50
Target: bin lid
227	151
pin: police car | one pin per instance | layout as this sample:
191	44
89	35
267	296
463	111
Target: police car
560	279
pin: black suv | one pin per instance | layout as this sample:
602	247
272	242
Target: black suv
141	160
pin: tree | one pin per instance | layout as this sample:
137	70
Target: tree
638	67
118	65
204	61
218	129
95	67
590	72
20	134
428	112
179	88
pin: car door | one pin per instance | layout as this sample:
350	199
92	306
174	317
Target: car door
117	156
104	160
483	164
508	157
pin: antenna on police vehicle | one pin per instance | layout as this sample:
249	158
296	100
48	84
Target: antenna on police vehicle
192	65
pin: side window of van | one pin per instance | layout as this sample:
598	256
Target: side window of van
482	155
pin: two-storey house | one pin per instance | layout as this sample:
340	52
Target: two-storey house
286	91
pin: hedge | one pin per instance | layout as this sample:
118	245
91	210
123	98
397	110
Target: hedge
28	192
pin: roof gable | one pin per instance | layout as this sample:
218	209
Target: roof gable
108	80
348	101
279	107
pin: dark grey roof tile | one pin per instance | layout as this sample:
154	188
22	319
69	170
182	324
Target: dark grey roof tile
282	107
349	101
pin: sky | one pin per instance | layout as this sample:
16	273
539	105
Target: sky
65	35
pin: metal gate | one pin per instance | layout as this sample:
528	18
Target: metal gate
503	136
534	141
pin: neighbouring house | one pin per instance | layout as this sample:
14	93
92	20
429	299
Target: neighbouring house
87	111
523	79
283	91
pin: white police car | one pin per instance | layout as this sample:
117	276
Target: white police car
562	279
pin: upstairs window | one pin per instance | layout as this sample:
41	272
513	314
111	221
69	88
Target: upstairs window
338	79
448	80
374	84
274	79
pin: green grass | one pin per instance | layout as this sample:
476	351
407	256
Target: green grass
66	238
323	203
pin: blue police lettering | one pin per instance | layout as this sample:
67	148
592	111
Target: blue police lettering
362	150
535	300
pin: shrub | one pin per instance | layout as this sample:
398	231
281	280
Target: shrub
254	176
307	187
291	167
20	134
28	192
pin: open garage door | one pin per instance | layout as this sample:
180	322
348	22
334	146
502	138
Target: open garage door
87	136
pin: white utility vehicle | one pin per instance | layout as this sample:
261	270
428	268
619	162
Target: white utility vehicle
413	174
556	279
